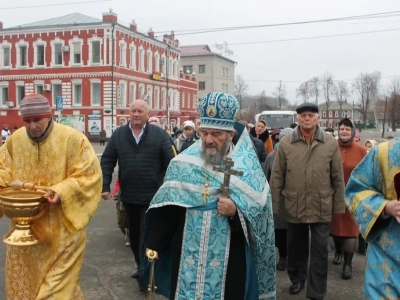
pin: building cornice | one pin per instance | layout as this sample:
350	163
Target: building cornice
144	37
214	55
137	79
52	28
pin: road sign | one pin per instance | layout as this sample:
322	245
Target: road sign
59	103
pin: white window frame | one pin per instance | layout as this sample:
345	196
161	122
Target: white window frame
121	99
336	114
174	102
53	83
92	82
330	114
174	68
122	122
149	98
18	97
122	53
156	97
141	90
18	46
4	85
183	100
163	98
75	83
132	56
71	51
170	95
132	95
61	42
141	58
149	54
3	45
38	83
157	62
189	103
39	42
187	67
170	68
91	51
164	65
324	114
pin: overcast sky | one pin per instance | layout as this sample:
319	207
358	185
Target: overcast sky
261	64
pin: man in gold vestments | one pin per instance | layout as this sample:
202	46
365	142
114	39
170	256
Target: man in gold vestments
51	154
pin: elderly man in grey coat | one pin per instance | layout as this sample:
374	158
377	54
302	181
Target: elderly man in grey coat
308	173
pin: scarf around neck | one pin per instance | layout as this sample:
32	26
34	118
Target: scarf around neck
44	135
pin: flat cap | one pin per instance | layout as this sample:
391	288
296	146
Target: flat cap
307	107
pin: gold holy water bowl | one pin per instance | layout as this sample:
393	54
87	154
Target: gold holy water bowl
23	207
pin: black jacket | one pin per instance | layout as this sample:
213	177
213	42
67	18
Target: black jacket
261	153
141	166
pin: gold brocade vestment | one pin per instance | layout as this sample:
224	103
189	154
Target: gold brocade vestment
67	161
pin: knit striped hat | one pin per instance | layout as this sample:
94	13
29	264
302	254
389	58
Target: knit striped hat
35	106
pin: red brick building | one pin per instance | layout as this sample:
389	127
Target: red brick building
70	58
338	111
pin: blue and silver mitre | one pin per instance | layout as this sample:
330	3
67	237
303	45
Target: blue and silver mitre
218	111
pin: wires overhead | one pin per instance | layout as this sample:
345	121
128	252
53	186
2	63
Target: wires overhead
313	37
209	30
53	4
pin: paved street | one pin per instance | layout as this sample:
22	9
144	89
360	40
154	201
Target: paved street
108	263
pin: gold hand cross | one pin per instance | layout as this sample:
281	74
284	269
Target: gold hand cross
205	193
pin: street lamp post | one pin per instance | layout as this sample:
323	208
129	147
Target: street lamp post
112	78
167	99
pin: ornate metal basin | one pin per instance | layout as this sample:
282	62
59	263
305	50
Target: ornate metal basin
23	207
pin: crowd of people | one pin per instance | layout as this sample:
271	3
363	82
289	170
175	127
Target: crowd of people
201	202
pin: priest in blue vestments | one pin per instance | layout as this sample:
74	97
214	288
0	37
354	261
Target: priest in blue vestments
372	195
212	246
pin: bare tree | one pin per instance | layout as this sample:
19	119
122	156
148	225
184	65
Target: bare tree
367	85
313	83
280	93
240	89
341	91
304	91
327	89
394	102
262	102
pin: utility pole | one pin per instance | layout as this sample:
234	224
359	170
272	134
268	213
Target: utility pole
112	78
384	118
167	100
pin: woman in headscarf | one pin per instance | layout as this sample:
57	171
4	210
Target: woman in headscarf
344	230
357	137
261	132
187	138
369	144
